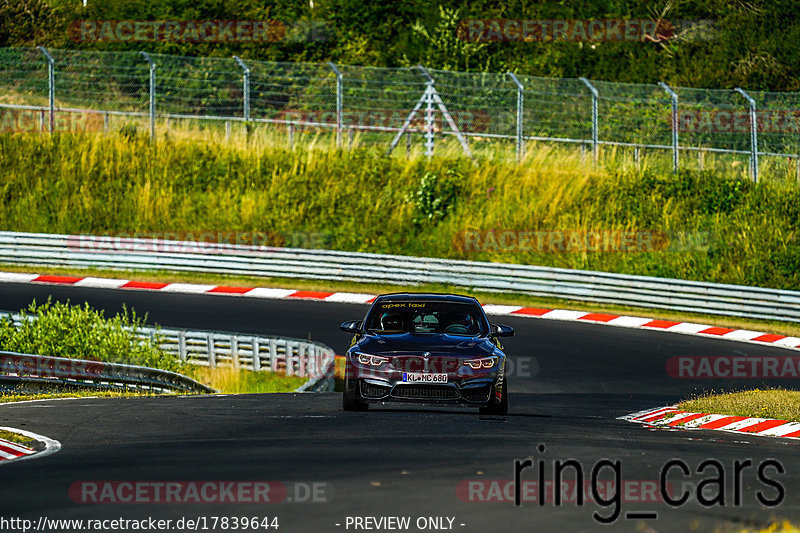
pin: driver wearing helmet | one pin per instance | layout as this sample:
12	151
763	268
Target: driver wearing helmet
461	323
392	322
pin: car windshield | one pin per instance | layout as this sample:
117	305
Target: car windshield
452	318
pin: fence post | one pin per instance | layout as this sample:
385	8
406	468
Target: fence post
595	96
235	351
338	103
520	103
51	86
256	355
674	97
212	351
429	136
182	345
753	134
152	96
245	89
273	355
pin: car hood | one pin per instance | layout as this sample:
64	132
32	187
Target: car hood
436	344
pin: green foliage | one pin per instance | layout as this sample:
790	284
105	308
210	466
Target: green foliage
80	332
747	44
435	197
445	47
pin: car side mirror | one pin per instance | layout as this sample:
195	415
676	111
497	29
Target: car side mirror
499	330
353	326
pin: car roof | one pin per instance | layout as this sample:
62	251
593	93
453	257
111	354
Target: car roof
429	296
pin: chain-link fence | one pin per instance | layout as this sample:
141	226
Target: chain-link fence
47	90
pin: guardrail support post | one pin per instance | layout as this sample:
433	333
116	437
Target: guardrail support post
245	90
595	96
256	356
338	103
212	352
674	98
520	104
235	351
152	95
51	86
182	346
753	134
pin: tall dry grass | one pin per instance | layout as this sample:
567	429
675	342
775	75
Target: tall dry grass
718	225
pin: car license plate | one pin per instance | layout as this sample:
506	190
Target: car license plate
421	377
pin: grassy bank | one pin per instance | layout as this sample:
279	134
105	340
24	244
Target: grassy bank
231	381
698	225
779	404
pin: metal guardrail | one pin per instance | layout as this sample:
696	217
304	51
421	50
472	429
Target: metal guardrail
294	357
601	287
41	370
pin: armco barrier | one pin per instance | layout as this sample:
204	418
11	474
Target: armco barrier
39	370
602	287
295	357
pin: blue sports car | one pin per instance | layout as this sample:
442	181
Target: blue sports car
426	348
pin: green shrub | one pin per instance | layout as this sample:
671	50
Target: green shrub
80	332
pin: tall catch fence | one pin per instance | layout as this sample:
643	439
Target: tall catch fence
48	90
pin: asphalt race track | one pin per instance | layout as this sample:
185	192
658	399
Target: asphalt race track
571	382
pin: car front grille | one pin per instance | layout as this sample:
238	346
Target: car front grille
370	390
477	394
425	392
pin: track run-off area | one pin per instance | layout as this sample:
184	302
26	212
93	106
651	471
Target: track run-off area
301	459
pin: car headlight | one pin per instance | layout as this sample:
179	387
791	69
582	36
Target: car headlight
483	362
371	360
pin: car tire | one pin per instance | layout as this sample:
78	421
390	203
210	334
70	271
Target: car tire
349	400
497	408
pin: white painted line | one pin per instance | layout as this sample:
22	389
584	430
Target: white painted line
629	321
350	297
687	327
564	314
7	456
51	446
14	277
187	288
266	292
492	309
46	400
101	283
742	335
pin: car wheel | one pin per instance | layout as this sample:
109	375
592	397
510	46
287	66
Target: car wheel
350	401
497	408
